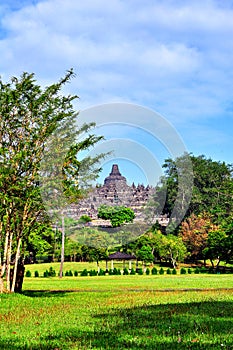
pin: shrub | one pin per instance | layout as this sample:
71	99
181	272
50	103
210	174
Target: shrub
67	273
140	271
84	273
182	271
46	274
36	274
132	272
168	271
101	272
51	272
147	271
189	271
174	272
93	273
161	271
125	271
211	270
203	269
28	273
197	271
75	273
154	271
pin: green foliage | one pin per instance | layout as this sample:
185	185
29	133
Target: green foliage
189	271
75	273
168	271
117	215
147	271
93	273
174	272
84	219
154	271
101	272
84	273
161	271
36	274
145	254
183	271
139	271
197	270
28	273
132	272
125	271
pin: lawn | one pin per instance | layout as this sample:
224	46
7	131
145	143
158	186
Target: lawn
119	312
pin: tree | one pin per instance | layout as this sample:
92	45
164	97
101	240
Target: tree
29	116
144	254
117	215
212	190
194	233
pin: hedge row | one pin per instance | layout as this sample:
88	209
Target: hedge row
154	271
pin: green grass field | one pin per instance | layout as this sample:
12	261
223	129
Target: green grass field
119	312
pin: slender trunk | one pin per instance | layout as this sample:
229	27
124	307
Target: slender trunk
62	244
212	263
8	262
16	264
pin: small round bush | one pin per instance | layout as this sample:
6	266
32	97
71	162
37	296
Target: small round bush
125	271
36	274
154	271
28	273
161	271
203	269
84	272
147	271
101	272
67	273
132	272
168	271
189	271
182	271
75	273
197	271
46	274
51	272
139	271
93	273
174	272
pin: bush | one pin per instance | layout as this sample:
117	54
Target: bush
147	271
93	273
154	271
75	273
168	271
132	272
182	271
51	272
161	271
139	271
189	271
101	272
46	274
203	269
197	271
28	273
84	273
36	274
174	272
67	273
125	271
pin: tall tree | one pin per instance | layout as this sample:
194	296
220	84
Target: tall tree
29	115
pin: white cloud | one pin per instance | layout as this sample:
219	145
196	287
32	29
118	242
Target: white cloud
171	56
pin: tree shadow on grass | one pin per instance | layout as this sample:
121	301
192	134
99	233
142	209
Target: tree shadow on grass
197	326
45	293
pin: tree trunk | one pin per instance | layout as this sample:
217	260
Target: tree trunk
62	244
8	262
16	265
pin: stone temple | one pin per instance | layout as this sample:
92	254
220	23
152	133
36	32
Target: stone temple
114	192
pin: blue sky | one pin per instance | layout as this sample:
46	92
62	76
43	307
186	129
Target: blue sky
172	57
